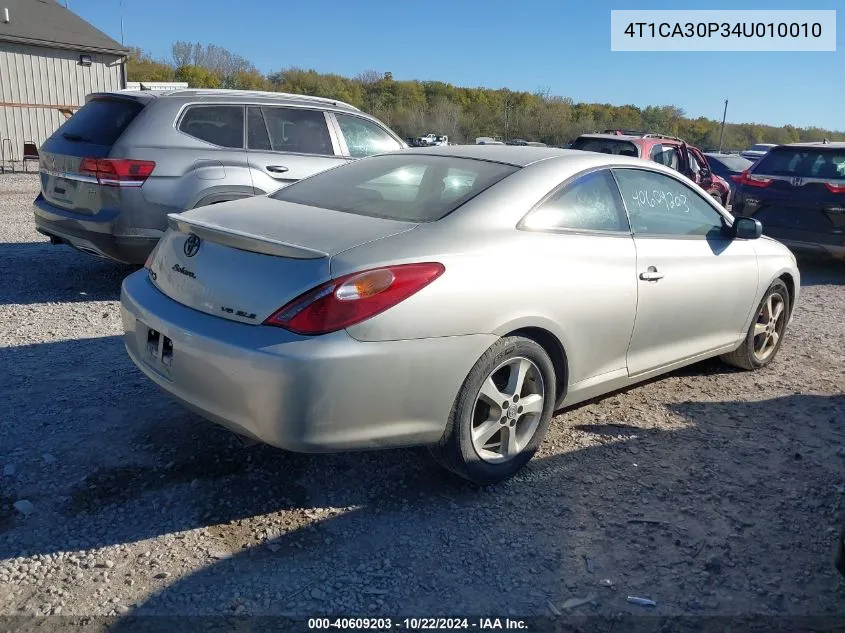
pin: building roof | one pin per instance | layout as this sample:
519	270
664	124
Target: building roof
47	23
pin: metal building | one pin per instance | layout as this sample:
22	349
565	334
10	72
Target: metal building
50	58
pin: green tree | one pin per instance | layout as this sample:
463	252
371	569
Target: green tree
197	77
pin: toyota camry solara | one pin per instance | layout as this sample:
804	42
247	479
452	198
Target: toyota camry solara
453	297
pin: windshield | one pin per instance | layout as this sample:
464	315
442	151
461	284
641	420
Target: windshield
606	146
731	162
407	187
803	162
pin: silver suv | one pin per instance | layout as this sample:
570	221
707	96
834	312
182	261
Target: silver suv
113	171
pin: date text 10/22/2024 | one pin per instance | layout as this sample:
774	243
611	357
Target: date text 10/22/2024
417	624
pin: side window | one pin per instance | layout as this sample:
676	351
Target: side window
256	130
363	137
660	205
298	131
220	125
666	155
590	203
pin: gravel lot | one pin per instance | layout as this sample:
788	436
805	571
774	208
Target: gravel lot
709	490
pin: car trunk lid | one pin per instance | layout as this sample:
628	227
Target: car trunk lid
244	260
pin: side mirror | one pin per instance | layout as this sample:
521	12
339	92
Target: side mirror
704	173
747	228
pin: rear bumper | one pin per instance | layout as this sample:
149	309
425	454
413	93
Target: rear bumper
101	235
304	394
814	249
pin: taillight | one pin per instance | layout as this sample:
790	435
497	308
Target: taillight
835	187
353	298
117	172
747	178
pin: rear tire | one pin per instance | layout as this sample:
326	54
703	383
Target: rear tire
501	414
765	334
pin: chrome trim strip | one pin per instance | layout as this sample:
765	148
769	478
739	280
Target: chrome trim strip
68	176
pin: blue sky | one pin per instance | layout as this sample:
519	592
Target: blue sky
563	45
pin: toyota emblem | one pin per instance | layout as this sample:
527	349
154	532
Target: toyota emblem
192	245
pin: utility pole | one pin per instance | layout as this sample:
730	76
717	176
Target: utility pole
722	131
121	21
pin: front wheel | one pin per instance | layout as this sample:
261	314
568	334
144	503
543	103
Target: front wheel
765	334
501	414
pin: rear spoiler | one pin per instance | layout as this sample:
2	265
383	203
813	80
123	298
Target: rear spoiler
241	240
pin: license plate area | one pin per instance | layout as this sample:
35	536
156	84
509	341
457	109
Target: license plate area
158	349
64	189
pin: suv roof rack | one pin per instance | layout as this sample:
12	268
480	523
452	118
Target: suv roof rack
224	92
642	134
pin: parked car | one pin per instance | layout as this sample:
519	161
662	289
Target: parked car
797	192
433	139
756	152
114	170
666	150
364	308
727	166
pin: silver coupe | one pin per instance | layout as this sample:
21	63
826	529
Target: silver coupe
454	297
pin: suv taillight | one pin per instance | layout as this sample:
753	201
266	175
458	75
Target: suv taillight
117	172
747	178
835	187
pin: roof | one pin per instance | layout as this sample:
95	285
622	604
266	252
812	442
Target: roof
631	137
222	93
612	137
47	23
818	144
517	155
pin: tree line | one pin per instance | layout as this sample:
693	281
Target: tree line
412	108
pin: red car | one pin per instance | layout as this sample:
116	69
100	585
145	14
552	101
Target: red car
666	150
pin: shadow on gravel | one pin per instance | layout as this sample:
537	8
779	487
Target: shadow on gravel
821	272
38	272
404	539
696	513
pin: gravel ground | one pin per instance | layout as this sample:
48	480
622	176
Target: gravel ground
710	491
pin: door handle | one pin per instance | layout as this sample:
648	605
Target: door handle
277	169
651	274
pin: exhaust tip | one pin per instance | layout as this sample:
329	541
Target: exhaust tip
56	240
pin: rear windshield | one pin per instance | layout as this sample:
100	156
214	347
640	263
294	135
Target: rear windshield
803	162
606	146
401	186
732	162
100	121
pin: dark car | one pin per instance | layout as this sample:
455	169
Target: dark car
726	166
839	559
666	150
797	191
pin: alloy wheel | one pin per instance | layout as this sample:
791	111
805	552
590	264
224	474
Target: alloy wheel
769	326
507	410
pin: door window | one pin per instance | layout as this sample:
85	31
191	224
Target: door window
365	138
290	130
588	204
666	155
256	131
219	125
660	205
